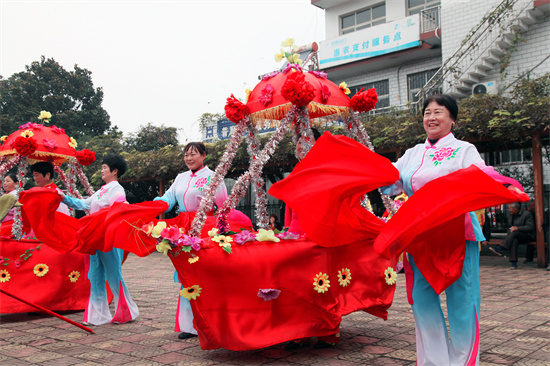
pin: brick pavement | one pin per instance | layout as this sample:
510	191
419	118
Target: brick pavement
515	328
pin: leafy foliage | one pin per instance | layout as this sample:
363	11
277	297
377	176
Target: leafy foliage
68	95
152	138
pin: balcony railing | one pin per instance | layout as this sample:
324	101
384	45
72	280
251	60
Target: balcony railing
430	19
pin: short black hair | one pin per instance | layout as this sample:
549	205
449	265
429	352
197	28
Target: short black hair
13	177
199	146
444	100
316	133
43	167
115	162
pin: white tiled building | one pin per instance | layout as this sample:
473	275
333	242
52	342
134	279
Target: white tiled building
398	45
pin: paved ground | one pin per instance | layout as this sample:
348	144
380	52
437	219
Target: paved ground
515	328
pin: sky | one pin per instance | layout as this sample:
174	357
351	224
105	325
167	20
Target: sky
165	62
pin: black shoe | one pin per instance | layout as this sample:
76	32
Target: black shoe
323	345
293	346
514	265
496	251
185	335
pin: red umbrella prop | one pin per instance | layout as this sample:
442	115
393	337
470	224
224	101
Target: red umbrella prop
39	143
273	97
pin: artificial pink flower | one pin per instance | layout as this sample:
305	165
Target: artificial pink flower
266	95
268	294
25	126
244	236
50	144
325	93
288	235
58	130
319	74
171	234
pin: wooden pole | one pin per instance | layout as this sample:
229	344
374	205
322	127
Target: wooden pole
539	198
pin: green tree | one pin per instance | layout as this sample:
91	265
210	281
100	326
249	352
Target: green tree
69	96
152	138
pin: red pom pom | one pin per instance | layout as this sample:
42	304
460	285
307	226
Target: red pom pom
235	110
297	90
364	101
85	157
25	145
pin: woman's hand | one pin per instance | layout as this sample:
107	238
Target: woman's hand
61	194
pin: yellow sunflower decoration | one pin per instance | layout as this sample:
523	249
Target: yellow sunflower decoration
74	275
344	277
4	276
191	293
321	283
27	134
41	269
223	240
390	276
193	260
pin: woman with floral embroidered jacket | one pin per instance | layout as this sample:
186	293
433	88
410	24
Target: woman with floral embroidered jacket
438	156
187	191
106	266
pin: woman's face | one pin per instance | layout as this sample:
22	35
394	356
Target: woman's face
437	121
8	185
193	159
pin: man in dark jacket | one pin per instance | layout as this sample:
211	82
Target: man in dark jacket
522	230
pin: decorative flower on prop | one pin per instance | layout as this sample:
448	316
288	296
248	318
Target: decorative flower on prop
49	144
344	87
45	116
4	138
73	276
267	95
73	143
244	236
268	294
4	276
297	90
364	101
191	293
344	277
235	110
25	146
40	270
169	238
27	133
85	157
321	283
267	235
288	235
290	54
390	276
224	242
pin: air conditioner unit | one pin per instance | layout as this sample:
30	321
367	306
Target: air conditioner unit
488	87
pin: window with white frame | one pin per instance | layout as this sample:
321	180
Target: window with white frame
382	89
416	81
363	18
416	6
515	156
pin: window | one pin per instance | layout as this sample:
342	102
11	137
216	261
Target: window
416	6
514	156
362	19
382	89
415	82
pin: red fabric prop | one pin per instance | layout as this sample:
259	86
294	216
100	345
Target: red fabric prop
297	90
229	314
364	101
54	290
431	227
325	190
235	110
85	157
25	146
55	229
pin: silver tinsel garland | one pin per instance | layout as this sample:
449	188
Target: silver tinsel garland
17	228
262	218
83	179
217	178
240	188
356	129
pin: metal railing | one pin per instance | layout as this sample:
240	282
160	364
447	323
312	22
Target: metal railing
430	19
